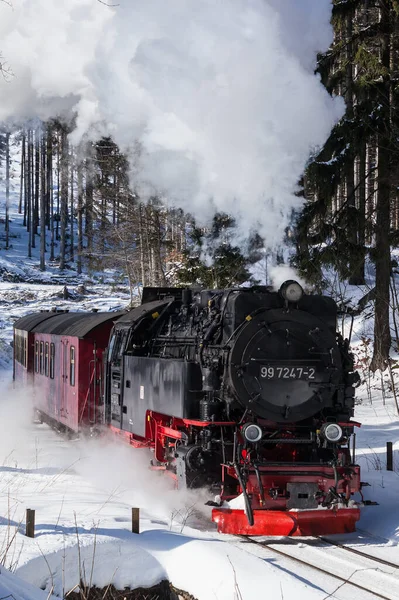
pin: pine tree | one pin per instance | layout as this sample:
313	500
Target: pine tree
226	266
351	182
385	148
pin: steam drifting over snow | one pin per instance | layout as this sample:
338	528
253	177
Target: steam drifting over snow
220	95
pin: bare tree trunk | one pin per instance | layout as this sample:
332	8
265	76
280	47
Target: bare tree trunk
371	193
352	229
29	194
57	223
26	167
50	192
359	267
89	202
64	196
141	240
159	272
72	250
115	200
36	174
43	194
22	176
80	217
150	271
382	333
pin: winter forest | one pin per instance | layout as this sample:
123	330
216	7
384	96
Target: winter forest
84	209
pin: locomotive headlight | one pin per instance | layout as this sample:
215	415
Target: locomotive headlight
291	291
332	432
252	433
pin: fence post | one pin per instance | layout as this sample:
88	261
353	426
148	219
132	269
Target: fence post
389	457
135	520
30	523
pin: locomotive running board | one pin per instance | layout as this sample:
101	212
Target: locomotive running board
287	523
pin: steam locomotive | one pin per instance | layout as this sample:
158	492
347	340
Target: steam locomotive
246	392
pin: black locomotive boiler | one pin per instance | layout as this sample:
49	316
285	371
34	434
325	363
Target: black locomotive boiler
249	392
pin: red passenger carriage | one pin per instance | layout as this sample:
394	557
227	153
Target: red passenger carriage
60	354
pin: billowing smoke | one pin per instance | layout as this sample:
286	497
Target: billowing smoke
281	273
215	99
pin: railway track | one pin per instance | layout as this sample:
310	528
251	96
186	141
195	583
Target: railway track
373	577
357	552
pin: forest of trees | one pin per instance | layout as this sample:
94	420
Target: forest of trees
351	215
81	210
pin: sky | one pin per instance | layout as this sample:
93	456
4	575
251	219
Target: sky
215	101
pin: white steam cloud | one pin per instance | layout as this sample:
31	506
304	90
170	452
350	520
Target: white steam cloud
281	273
220	94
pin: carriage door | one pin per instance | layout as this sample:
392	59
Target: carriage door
95	383
115	383
64	379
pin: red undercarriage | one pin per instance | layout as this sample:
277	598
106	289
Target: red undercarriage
287	523
271	515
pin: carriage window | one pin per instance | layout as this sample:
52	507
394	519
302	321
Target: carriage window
72	366
52	356
41	357
25	363
18	341
46	360
36	357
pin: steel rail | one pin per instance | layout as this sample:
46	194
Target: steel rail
345	580
382	561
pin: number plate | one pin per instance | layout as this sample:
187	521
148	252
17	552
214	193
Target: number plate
283	372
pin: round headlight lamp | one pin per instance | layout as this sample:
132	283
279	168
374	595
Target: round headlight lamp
332	432
252	432
291	291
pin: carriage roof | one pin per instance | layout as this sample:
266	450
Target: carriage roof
73	324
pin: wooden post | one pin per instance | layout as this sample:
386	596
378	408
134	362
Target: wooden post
135	520
389	457
30	523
